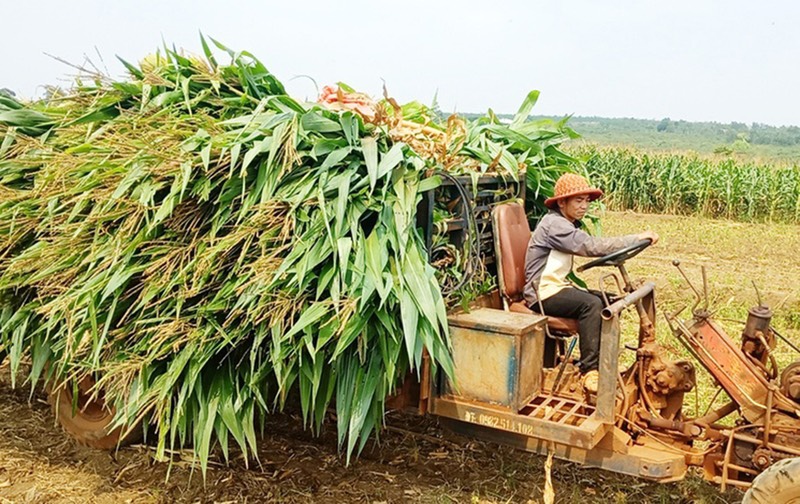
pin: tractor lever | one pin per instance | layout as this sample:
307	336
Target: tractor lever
677	264
697	295
705	288
758	293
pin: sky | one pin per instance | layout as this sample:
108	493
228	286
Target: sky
696	60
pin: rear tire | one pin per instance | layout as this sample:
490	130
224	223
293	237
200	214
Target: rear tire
89	423
778	484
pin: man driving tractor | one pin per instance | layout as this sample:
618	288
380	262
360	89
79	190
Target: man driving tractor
556	240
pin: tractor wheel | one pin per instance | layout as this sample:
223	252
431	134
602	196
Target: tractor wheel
89	422
778	484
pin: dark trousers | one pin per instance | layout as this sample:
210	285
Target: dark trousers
586	307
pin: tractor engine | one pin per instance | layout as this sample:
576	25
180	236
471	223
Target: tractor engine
660	385
667	382
758	339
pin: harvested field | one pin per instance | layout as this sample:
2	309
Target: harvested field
415	460
735	255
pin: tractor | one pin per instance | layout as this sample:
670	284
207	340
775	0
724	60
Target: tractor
516	383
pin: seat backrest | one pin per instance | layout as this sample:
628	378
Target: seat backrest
511	236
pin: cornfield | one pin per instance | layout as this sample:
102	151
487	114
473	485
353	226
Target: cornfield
209	249
688	184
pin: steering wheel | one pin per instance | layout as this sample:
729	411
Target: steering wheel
618	257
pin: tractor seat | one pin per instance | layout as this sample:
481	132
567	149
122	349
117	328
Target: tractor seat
555	324
511	237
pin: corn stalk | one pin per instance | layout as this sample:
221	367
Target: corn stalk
210	249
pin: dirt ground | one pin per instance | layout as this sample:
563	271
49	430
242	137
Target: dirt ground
415	460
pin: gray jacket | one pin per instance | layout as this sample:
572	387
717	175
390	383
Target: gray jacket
551	249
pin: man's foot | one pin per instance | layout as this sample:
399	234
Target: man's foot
590	381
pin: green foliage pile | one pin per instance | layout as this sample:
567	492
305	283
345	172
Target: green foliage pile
208	248
689	184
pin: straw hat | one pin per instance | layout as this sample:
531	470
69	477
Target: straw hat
571	184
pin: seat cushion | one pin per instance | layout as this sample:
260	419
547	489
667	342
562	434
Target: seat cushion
556	324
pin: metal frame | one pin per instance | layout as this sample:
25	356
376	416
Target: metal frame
550	417
614	452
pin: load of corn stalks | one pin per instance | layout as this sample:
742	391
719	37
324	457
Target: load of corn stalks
207	248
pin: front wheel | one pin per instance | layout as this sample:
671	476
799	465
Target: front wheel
778	484
90	420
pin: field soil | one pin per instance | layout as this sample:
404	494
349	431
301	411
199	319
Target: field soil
415	460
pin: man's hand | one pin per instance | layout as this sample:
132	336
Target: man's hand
649	235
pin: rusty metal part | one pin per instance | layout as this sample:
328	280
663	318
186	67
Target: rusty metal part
559	420
704	311
792	450
661	382
758	320
763	458
769	374
758	339
725	482
617	307
768	347
726	461
739	468
718	414
711	468
425	384
740	378
677	264
608	370
771	389
642	383
671	376
625	404
603	282
563	364
790	381
749	450
705	287
83	413
570	385
743	372
687	429
615	452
